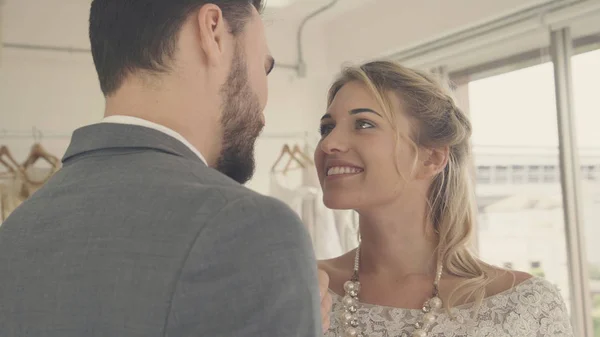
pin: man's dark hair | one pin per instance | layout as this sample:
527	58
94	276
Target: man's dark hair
129	35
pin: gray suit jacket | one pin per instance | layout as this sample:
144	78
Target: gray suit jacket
136	236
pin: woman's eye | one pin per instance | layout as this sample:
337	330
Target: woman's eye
325	129
364	124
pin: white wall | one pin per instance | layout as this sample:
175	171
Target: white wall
59	92
295	104
53	92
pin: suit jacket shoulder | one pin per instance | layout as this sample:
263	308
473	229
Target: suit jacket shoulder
251	272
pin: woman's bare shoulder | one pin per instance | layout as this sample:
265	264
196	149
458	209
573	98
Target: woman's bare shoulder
504	279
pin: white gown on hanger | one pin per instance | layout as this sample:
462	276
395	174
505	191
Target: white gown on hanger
346	222
307	202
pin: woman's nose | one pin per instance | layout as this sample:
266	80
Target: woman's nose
334	142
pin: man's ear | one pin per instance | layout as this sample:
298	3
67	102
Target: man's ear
212	30
432	161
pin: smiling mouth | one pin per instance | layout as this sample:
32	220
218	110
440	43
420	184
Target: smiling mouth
343	170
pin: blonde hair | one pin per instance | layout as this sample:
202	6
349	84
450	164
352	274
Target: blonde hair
438	122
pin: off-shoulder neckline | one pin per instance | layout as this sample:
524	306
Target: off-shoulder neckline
514	289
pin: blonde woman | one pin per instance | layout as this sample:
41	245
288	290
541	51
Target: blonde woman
395	148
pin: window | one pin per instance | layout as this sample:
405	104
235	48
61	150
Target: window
484	174
550	175
501	174
534	174
515	132
588	172
586	71
536	269
518	174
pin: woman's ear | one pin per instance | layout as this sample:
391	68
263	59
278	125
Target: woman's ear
432	161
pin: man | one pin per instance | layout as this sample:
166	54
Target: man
138	235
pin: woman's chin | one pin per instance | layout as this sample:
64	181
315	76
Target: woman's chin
338	202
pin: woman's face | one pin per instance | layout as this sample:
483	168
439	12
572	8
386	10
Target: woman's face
358	162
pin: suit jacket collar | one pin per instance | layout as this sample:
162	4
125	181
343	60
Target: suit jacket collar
104	136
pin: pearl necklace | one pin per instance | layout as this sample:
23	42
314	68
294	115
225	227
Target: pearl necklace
351	303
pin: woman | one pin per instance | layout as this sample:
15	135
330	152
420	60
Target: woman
395	148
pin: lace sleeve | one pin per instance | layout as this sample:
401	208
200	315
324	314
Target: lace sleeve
535	309
554	318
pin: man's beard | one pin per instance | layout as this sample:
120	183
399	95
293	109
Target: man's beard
240	121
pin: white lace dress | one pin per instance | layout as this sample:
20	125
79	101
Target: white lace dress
533	308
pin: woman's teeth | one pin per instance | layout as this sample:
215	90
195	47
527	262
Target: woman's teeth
342	170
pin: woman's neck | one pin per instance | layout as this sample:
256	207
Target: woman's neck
398	242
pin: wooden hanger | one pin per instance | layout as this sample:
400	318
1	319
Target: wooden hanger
307	159
30	185
296	155
285	150
8	166
37	152
5	156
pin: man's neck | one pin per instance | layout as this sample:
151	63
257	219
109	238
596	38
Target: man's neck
161	107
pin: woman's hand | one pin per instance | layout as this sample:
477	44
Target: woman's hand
326	300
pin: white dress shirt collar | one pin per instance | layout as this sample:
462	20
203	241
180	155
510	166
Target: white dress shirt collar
120	119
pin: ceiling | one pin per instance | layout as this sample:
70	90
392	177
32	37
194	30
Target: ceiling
64	23
279	3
